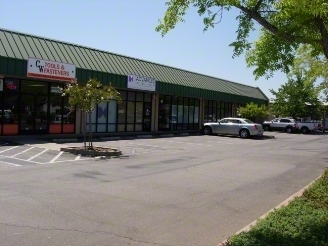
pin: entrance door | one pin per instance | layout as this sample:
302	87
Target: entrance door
147	117
34	114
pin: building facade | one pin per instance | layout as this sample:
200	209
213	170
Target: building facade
155	97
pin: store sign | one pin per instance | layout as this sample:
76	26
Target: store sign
141	83
44	69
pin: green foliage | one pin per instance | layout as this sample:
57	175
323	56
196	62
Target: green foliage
293	98
252	110
314	67
285	26
304	221
86	97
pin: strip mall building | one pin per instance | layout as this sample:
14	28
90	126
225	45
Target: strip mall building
154	97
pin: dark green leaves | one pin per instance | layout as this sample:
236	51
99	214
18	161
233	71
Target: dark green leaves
286	25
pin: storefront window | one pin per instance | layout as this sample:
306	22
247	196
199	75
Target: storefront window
196	115
121	116
178	113
222	115
68	117
10	107
102	115
227	110
174	113
112	114
191	113
139	116
2	115
163	114
132	114
55	109
211	113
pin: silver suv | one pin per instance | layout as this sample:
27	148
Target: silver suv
281	124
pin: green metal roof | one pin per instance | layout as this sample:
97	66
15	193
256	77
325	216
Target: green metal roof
21	46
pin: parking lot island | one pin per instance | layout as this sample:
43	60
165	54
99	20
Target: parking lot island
95	151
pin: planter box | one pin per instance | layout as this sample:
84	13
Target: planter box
98	151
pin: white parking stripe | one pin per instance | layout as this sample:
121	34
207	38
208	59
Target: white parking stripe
22	152
16	158
9	149
56	157
12	164
37	154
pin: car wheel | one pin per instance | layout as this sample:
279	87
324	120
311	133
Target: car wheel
207	130
266	128
305	130
289	130
244	133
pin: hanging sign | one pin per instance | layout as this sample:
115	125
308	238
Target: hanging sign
141	83
44	69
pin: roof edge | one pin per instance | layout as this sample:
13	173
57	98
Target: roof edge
100	50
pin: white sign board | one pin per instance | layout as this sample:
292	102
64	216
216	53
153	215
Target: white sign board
44	69
141	83
1	84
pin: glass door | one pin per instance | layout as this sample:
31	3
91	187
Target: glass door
147	117
34	114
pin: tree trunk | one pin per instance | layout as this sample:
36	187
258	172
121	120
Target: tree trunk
90	132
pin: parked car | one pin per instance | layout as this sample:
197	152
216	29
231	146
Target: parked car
310	126
234	126
281	124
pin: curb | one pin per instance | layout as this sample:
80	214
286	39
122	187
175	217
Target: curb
284	203
167	135
111	138
145	136
64	140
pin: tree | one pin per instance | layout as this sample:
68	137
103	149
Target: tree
313	67
86	97
285	26
252	110
297	98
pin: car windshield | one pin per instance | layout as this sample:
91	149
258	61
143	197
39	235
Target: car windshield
248	121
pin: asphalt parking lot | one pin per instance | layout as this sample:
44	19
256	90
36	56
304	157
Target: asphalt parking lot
194	190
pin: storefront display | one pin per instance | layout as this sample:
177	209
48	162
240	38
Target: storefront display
34	107
216	110
178	113
133	114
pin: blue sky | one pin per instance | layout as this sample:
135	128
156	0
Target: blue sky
127	27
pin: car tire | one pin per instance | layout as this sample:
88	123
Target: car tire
207	130
244	133
305	130
266	128
289	129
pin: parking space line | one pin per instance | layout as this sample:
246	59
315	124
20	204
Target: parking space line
8	149
56	157
37	154
47	163
22	152
15	158
12	164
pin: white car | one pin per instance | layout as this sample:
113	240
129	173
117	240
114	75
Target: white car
234	126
